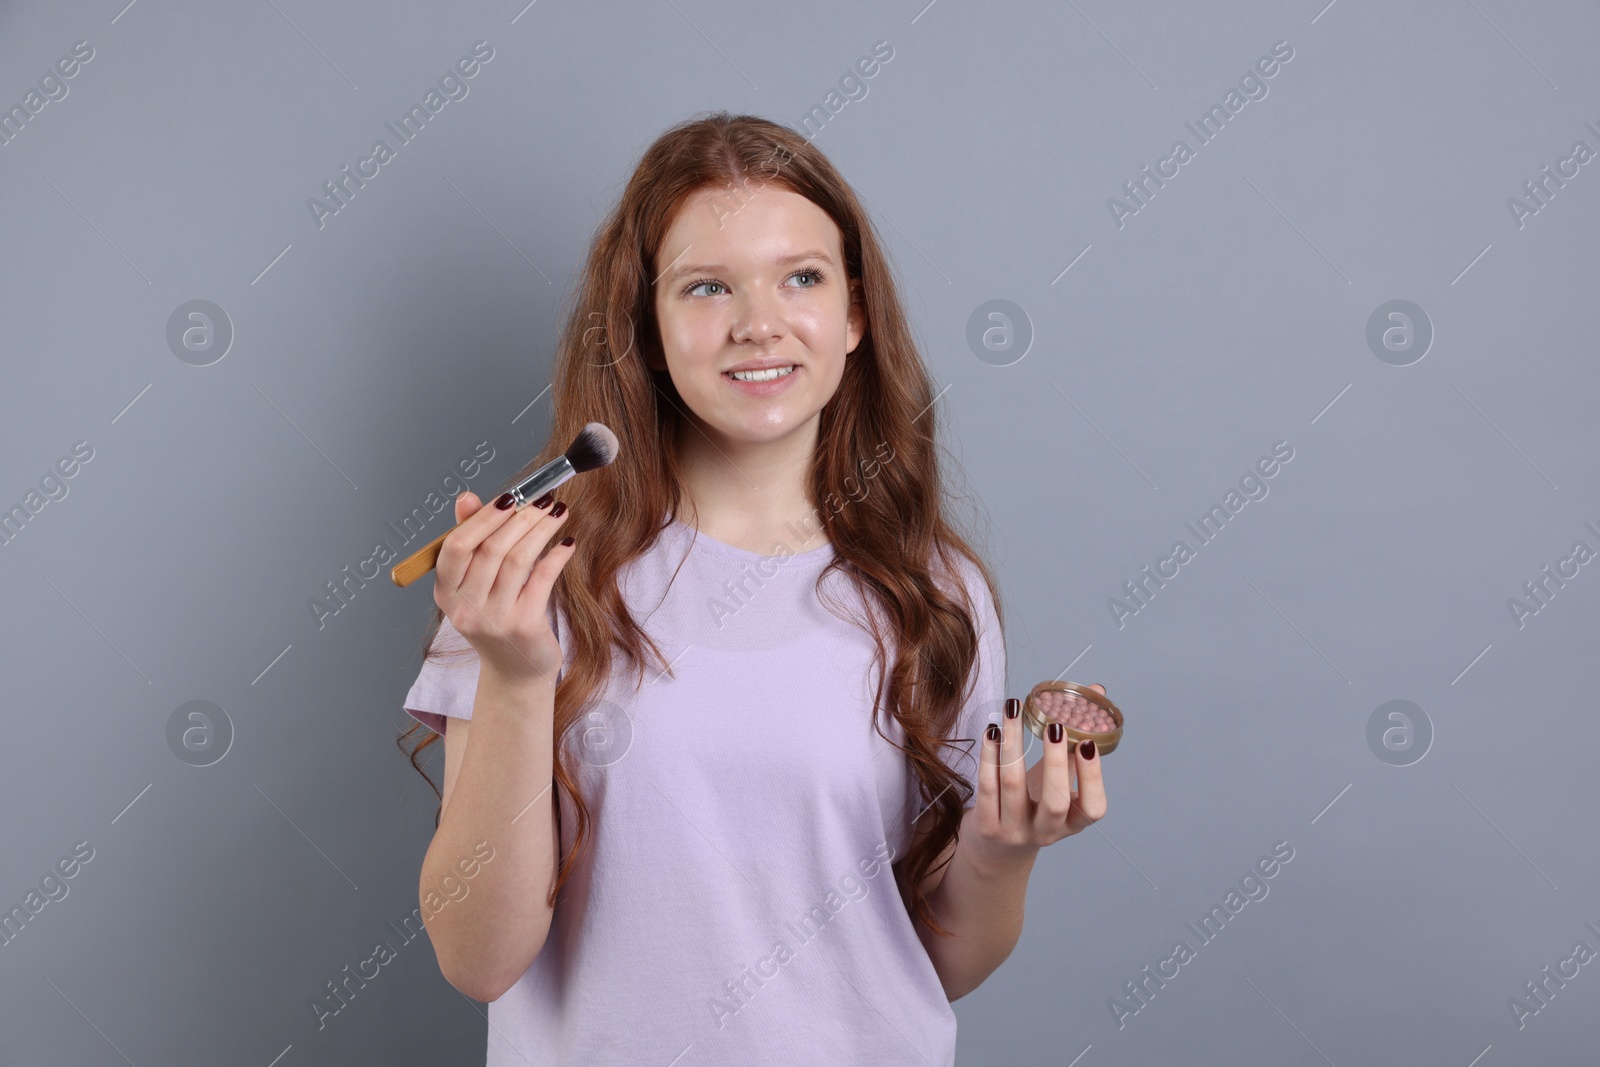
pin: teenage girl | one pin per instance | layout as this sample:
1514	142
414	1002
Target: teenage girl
721	784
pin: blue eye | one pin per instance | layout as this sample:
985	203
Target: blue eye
815	273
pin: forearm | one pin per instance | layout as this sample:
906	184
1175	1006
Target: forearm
487	934
981	900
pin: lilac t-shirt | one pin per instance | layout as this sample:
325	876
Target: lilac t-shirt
736	904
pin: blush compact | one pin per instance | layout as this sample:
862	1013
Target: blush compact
1083	712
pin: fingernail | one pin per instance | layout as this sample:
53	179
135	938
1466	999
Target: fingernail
1013	707
1102	685
559	509
993	732
503	501
544	501
566	541
1086	750
1056	732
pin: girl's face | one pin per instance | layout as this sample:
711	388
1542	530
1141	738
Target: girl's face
755	277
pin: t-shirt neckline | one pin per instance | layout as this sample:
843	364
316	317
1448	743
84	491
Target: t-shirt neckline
704	542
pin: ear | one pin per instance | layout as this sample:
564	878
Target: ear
856	317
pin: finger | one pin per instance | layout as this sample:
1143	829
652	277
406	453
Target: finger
451	564
520	559
483	568
535	592
1055	784
988	797
475	520
1016	806
1091	806
467	505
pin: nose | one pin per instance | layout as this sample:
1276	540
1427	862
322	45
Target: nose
760	320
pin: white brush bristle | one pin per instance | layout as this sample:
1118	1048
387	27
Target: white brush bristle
595	446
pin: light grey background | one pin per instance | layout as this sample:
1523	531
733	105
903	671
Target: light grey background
1228	314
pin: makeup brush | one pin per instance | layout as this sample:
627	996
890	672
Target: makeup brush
595	446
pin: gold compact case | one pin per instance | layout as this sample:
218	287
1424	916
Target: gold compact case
1083	712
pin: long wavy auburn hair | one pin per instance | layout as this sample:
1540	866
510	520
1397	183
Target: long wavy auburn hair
886	538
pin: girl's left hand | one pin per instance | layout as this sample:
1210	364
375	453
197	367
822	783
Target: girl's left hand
1020	810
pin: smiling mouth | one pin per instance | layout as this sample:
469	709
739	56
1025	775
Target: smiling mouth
768	375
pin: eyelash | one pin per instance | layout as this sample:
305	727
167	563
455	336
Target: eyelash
821	277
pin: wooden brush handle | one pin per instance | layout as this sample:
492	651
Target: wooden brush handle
419	562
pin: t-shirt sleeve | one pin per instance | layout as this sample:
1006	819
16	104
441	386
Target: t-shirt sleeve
447	686
986	698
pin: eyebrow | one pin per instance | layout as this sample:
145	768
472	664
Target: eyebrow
713	268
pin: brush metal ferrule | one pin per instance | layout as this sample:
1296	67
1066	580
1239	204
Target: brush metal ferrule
541	482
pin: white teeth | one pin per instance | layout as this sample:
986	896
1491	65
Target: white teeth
762	375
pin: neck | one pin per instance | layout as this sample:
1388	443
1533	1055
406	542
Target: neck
749	494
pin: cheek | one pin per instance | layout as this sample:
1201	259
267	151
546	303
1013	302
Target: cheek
825	329
826	371
830	383
688	342
826	336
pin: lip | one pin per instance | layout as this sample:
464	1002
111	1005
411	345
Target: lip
772	388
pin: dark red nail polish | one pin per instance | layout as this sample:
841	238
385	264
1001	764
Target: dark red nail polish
1086	750
993	732
1056	732
1013	707
504	500
545	501
559	509
566	541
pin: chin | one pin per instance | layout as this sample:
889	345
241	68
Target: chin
764	433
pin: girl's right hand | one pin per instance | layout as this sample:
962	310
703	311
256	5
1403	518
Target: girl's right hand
494	585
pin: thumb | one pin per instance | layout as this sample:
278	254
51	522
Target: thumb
467	505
